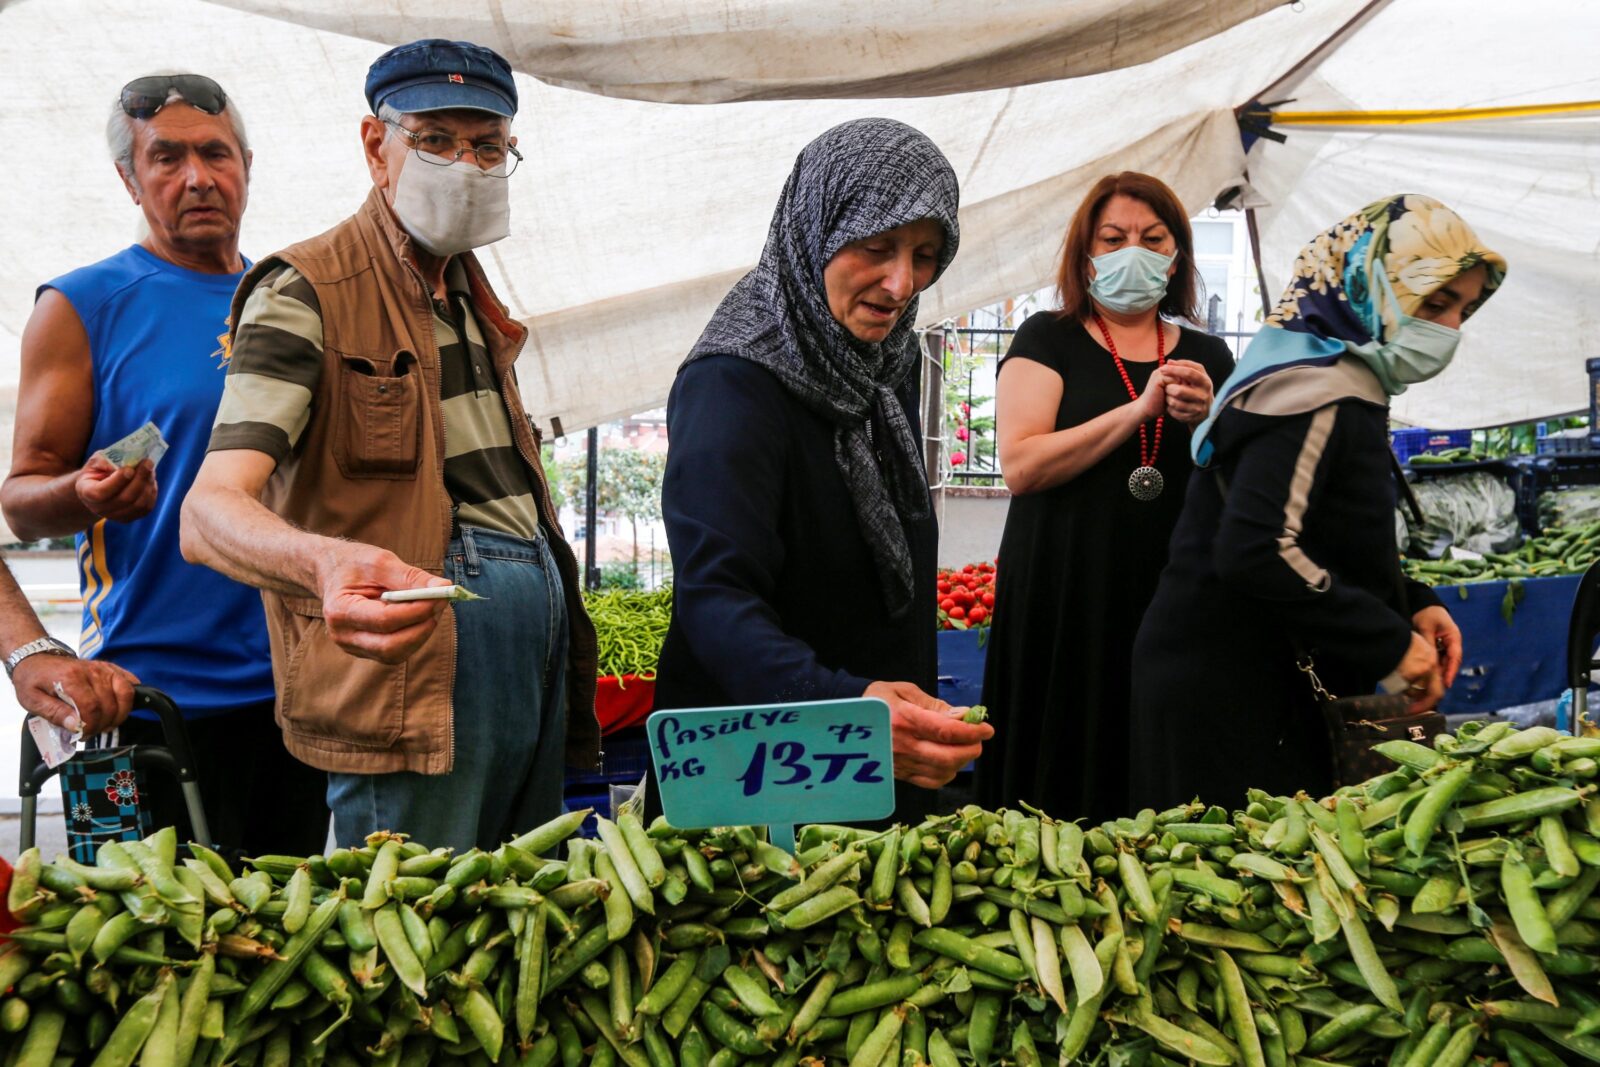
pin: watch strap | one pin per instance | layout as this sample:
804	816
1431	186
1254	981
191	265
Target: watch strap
39	646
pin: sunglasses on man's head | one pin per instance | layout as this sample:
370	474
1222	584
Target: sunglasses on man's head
143	97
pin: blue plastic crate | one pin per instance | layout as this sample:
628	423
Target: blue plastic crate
1564	443
598	799
626	758
1411	441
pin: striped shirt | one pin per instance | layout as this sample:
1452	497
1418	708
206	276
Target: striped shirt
276	365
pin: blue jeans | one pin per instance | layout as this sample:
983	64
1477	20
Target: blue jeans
510	704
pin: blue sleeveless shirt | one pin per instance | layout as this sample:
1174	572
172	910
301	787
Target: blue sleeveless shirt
157	337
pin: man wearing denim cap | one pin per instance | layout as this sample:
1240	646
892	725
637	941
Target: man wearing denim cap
371	439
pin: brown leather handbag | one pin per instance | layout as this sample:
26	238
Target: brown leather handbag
1355	724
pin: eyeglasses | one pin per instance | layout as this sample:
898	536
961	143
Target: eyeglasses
439	149
143	97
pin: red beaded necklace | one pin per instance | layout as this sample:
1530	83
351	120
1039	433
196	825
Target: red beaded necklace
1147	455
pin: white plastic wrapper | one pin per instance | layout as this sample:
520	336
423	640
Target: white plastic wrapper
1476	511
1566	508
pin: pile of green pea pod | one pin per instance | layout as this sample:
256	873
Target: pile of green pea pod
1438	913
630	627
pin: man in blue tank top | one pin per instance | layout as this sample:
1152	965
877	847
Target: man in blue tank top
140	337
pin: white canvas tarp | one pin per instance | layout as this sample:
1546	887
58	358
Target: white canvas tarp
631	219
713	52
633	216
1529	186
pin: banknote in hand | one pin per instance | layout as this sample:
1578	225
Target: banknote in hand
144	443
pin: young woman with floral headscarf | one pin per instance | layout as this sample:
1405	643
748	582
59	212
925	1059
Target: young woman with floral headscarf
797	509
1286	544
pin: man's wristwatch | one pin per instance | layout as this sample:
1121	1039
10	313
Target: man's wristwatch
46	645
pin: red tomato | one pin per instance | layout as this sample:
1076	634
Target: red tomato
944	587
968	569
963	597
977	614
988	600
946	604
958	612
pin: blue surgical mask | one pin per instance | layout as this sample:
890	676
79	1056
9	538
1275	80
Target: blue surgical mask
1130	280
1415	351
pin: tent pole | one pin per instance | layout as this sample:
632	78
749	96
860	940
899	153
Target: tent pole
1255	253
591	573
1333	41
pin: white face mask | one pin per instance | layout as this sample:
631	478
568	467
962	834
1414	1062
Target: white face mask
451	209
1416	350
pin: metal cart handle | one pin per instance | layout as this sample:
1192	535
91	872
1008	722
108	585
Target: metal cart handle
175	758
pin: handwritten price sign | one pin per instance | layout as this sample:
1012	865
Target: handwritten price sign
778	764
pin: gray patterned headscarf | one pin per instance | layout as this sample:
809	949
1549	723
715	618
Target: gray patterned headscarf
858	179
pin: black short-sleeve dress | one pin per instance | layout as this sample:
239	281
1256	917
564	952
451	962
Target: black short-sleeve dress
1078	566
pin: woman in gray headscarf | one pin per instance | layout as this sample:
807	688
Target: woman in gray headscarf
796	505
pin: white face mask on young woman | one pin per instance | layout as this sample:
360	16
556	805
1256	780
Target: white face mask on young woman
1130	280
1416	350
452	209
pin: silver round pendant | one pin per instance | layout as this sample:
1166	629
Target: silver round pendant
1146	483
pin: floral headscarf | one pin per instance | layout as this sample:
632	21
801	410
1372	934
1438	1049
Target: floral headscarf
1337	299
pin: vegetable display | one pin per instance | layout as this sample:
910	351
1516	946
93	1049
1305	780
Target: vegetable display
1475	510
966	596
1553	552
630	627
1442	911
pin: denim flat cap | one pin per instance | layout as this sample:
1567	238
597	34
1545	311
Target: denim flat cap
435	75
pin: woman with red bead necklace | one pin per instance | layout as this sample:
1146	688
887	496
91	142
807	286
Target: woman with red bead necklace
1095	402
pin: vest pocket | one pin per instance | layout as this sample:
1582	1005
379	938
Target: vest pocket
380	423
328	693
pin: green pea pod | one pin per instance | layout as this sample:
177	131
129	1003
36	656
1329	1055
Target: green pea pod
1087	969
618	903
1176	1038
1522	900
385	869
1047	961
1239	1010
1425	817
728	1031
297	896
880	891
812	1007
632	879
1557	849
272	977
134	1028
192	1007
642	849
40	1044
